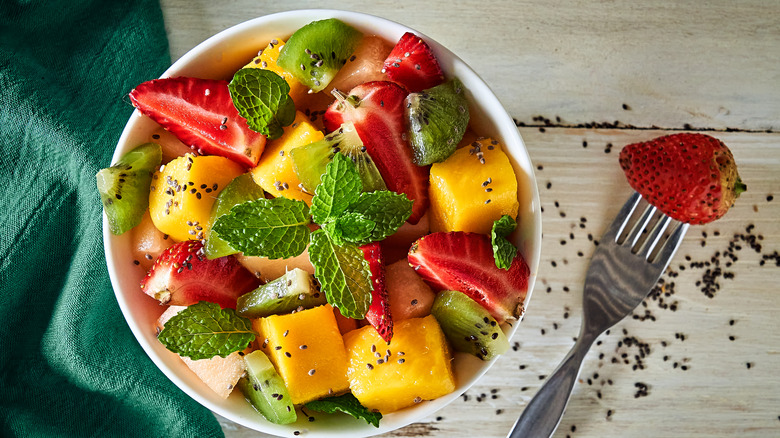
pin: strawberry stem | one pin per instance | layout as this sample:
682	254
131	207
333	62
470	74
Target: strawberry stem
343	99
739	187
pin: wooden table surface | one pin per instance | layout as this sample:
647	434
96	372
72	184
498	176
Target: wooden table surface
701	357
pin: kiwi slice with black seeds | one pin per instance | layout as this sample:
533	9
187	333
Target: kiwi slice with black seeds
437	119
294	290
316	52
309	161
124	187
468	326
265	389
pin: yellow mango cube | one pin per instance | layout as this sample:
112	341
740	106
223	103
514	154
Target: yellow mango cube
307	350
472	188
275	172
415	366
183	192
266	60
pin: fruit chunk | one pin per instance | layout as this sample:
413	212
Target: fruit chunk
265	390
378	314
414	367
412	64
473	188
437	119
311	160
241	189
316	52
409	296
148	242
269	269
266	59
307	350
691	177
200	113
221	374
468	326
376	109
464	262
184	191
293	290
182	276
275	172
124	187
365	65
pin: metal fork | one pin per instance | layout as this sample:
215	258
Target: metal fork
629	260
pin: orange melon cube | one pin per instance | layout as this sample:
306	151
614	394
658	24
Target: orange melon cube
472	188
307	350
275	172
415	366
266	60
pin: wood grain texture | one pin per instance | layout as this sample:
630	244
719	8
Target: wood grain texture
709	363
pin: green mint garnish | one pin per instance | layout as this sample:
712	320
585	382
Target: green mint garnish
262	98
388	210
340	186
343	272
274	228
204	330
503	250
352	227
348	404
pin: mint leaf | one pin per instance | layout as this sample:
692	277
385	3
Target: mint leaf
343	272
350	227
348	404
274	228
204	330
340	186
261	97
388	210
503	250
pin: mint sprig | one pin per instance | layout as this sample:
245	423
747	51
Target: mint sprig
262	98
340	187
347	404
274	228
388	210
503	250
205	330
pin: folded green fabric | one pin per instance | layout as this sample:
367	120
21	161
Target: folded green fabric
69	365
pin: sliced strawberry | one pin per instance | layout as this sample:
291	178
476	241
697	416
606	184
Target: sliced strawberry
182	276
377	110
690	177
379	311
464	262
411	63
200	113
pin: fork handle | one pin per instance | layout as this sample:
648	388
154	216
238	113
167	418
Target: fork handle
542	415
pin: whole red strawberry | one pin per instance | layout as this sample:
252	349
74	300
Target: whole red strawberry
690	177
182	276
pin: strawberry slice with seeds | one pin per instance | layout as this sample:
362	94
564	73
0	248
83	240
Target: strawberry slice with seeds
377	111
378	314
411	63
200	113
464	262
182	276
690	177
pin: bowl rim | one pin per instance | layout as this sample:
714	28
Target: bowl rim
531	241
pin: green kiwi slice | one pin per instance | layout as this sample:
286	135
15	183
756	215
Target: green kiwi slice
124	187
316	52
468	326
309	161
243	188
294	290
437	119
264	388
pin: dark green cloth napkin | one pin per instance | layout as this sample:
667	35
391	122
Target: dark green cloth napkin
69	365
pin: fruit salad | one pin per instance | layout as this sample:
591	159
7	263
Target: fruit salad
325	230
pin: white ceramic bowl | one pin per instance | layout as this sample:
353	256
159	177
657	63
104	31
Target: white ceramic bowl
219	57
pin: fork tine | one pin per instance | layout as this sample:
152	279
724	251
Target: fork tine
670	246
621	220
639	227
654	235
